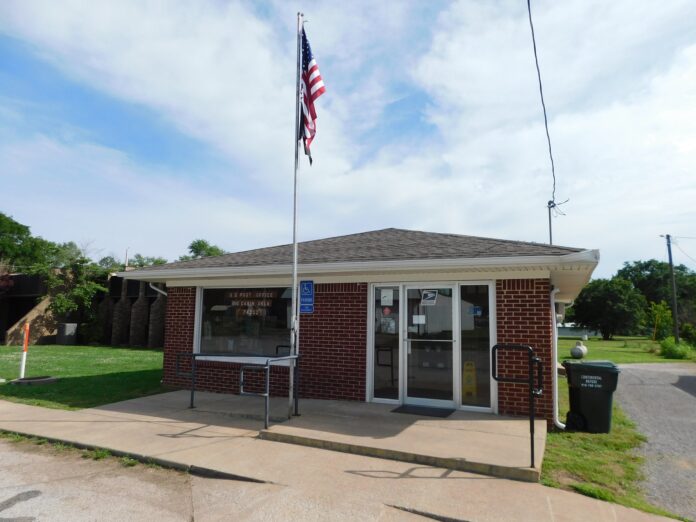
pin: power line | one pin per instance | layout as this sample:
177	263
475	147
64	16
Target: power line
551	204
682	251
543	104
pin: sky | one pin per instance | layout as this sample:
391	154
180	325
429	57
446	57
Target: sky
143	125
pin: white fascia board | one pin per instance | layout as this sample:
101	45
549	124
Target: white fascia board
585	260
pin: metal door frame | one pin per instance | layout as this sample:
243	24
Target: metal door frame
402	286
420	401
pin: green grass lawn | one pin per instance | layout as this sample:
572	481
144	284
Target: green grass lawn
621	350
89	375
604	466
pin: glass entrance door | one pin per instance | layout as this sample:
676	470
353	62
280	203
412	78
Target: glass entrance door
429	344
385	375
475	342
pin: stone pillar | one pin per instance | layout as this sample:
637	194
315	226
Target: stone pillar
158	313
105	318
139	316
121	324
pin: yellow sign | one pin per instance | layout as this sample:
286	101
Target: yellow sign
469	379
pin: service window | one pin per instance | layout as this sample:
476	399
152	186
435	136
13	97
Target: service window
246	321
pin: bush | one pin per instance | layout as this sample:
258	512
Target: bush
688	332
671	350
660	318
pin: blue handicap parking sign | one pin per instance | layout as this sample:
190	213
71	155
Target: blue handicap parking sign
306	297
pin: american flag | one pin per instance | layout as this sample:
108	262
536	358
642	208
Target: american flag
311	87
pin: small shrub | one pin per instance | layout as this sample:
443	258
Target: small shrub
128	462
12	436
669	349
660	317
688	332
96	454
150	463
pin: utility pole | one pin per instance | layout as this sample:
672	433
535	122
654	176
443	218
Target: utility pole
674	289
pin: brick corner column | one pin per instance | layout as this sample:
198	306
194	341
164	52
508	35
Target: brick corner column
178	331
523	309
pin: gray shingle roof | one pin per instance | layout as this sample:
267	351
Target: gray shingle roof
389	244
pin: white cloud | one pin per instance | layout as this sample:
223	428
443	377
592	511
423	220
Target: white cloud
211	69
90	194
619	85
619	82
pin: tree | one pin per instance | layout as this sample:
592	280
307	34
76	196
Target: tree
140	261
611	306
652	279
110	264
72	280
19	249
201	248
660	320
6	281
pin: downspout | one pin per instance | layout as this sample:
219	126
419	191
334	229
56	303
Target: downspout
554	369
158	290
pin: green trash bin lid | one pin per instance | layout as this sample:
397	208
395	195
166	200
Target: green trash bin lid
594	366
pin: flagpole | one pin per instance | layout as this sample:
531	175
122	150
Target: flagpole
295	322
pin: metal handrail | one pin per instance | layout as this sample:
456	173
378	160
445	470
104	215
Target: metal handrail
267	393
265	366
535	388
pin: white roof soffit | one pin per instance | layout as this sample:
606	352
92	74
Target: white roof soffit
584	261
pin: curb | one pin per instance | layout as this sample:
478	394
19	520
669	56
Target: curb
492	470
144	459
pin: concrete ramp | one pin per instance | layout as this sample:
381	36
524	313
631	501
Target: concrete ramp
475	442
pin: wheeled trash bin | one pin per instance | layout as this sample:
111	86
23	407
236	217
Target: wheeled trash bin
591	386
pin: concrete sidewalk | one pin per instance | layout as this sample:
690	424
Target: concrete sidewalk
493	445
483	443
305	483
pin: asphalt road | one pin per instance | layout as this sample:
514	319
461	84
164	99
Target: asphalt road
661	399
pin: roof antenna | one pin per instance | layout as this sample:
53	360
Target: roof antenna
551	205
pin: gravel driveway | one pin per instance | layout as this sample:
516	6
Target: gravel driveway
661	399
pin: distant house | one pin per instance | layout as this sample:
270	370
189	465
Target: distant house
573	330
399	316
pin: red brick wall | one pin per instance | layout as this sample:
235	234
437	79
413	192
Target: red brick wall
333	344
524	317
332	347
178	331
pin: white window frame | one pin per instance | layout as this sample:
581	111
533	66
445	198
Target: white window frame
198	321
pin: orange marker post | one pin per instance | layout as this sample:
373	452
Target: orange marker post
24	351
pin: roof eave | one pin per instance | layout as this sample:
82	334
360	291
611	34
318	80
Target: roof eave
586	259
